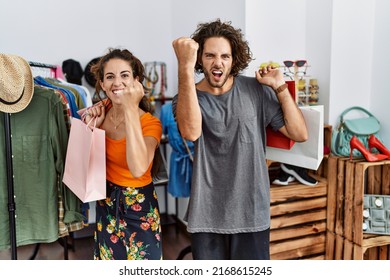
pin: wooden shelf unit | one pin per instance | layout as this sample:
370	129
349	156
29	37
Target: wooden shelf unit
349	182
298	215
298	221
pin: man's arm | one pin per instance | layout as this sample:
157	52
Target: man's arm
188	115
295	125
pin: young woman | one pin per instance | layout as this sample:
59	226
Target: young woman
128	220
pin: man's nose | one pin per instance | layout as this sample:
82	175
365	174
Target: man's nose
218	61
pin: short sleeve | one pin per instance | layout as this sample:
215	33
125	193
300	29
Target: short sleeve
151	126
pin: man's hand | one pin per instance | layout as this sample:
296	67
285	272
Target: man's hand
186	50
270	76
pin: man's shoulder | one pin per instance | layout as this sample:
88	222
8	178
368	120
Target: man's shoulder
242	80
246	79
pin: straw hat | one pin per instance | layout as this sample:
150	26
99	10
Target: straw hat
16	83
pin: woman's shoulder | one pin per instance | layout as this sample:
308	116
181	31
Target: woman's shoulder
148	117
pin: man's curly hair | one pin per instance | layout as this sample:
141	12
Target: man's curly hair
241	52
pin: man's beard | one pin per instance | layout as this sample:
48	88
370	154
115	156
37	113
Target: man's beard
216	84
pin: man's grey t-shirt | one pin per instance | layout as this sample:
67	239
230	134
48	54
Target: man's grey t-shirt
230	182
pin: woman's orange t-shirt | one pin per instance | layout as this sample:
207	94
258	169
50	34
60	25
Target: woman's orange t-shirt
117	169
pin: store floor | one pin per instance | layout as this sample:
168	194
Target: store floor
175	241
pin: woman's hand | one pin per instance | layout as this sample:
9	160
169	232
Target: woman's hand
97	111
132	94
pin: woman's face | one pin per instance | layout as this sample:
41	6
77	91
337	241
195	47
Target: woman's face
117	75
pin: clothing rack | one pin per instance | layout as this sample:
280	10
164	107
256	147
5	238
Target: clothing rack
42	65
10	182
10	185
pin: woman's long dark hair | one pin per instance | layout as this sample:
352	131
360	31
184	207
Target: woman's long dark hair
138	71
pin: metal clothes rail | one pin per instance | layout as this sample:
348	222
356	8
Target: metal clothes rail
10	182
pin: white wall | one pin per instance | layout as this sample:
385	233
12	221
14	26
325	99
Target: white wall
360	59
345	42
53	31
380	68
318	42
351	55
291	30
275	30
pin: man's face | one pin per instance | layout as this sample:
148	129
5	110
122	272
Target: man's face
217	61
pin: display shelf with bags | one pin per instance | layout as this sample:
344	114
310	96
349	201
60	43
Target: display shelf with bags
360	127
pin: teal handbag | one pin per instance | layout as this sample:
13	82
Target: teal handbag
362	128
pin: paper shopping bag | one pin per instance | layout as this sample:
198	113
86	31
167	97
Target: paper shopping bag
85	163
275	139
310	153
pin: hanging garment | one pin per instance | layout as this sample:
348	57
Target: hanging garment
69	95
70	226
78	97
83	91
180	164
39	141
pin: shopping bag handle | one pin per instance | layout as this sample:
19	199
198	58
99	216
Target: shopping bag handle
94	125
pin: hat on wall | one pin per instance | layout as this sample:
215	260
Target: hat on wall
16	83
73	71
89	76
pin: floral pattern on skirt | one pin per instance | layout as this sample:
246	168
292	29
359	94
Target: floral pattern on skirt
128	224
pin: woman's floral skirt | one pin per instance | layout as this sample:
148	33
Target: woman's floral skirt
128	224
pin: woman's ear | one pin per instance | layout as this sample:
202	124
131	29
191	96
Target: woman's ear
101	85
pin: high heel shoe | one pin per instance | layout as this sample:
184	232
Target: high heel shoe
356	144
374	142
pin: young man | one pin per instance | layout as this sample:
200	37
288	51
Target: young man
226	115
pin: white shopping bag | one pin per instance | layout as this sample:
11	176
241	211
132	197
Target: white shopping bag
310	153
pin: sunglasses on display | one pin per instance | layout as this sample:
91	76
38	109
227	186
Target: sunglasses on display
297	72
299	63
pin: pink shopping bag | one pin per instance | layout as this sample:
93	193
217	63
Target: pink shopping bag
85	163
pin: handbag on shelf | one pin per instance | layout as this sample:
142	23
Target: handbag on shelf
85	162
361	127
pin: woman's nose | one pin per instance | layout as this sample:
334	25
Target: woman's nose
117	80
